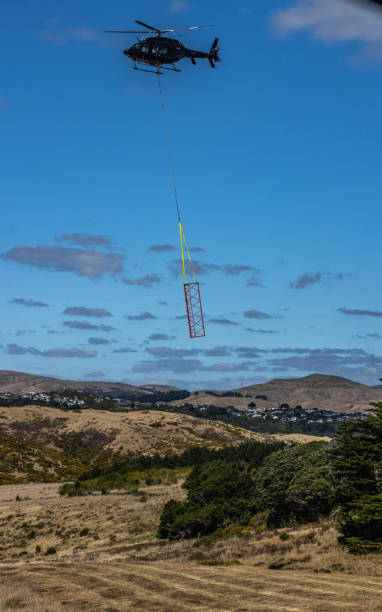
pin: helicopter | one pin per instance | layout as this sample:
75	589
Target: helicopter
160	50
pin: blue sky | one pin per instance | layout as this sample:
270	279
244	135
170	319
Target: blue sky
277	157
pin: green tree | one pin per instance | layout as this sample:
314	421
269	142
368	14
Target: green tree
295	484
357	465
219	493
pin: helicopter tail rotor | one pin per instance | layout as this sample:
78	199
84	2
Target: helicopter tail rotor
214	53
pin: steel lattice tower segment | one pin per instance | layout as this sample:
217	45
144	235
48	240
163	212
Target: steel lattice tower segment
194	310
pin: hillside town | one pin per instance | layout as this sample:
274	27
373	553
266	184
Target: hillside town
284	413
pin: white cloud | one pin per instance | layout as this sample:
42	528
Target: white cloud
179	6
331	20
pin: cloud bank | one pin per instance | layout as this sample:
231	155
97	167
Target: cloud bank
29	303
83	311
16	349
92	264
332	21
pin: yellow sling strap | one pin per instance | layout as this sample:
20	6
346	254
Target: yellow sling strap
183	238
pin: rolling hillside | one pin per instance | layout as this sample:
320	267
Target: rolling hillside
42	444
138	432
21	382
315	391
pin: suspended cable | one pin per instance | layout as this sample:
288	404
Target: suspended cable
191	290
168	146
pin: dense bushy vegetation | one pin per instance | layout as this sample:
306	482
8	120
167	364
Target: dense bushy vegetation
292	485
27	462
118	475
296	485
289	486
357	463
73	452
219	493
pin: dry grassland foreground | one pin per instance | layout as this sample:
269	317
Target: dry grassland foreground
100	553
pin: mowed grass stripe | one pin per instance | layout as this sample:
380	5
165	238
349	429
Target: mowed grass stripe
177	593
224	585
98	592
128	592
215	597
322	582
358	583
337	581
181	587
82	589
286	589
72	595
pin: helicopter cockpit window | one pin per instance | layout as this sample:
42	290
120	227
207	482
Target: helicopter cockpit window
154	50
163	51
145	49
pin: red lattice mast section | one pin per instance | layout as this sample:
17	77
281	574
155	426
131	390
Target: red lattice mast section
194	310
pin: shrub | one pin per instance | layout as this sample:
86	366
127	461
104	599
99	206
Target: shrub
84	532
50	551
296	484
259	522
218	493
72	490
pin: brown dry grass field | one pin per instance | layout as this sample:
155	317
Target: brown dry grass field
108	559
138	432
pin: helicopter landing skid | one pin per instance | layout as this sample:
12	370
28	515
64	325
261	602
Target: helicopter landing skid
173	69
143	70
158	70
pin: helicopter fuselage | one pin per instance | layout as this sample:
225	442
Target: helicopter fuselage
160	50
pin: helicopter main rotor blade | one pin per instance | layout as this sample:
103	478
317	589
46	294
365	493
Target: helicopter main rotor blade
151	29
147	26
128	31
211	25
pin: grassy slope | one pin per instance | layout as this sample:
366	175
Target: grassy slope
139	432
38	443
27	462
127	568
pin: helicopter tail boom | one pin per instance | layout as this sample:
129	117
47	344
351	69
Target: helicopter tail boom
212	55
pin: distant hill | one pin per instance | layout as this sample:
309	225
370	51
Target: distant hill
319	391
21	382
315	391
